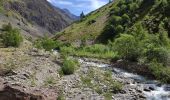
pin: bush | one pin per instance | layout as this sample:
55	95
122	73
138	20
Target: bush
127	47
159	54
10	36
46	43
69	66
160	72
116	20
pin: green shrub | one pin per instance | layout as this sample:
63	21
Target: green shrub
45	43
69	66
125	18
159	54
127	47
116	20
10	36
160	72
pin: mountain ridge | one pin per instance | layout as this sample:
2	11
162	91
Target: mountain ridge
40	14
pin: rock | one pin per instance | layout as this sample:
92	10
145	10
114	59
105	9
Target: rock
167	88
151	88
139	90
9	92
142	96
147	89
123	92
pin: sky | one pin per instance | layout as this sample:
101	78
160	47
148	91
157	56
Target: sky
77	6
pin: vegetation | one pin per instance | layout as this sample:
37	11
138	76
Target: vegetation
69	66
160	71
95	51
92	78
60	97
136	30
10	36
46	43
49	81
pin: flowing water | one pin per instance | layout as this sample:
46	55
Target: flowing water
154	91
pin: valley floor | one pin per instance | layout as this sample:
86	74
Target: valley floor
31	74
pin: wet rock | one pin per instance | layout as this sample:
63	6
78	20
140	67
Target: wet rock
139	90
147	89
167	88
152	88
142	96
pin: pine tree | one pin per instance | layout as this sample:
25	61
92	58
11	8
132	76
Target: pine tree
82	15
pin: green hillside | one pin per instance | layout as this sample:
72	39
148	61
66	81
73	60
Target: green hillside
89	27
117	17
133	30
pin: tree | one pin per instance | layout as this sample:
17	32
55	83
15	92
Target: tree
82	15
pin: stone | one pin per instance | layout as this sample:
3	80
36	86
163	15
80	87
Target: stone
142	96
151	88
146	89
167	88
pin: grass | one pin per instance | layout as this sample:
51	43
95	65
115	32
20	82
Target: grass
69	66
49	81
94	51
60	97
81	30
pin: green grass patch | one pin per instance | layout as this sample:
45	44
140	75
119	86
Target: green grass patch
69	66
94	51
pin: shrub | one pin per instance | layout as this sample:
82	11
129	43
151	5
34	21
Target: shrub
46	43
116	20
10	36
127	47
91	22
159	54
69	66
160	72
125	18
119	28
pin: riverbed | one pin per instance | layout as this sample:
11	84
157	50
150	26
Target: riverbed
152	89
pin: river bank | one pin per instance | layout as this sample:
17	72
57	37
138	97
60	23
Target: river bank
133	83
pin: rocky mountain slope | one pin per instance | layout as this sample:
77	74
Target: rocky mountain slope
34	17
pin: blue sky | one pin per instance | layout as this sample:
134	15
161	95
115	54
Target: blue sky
77	6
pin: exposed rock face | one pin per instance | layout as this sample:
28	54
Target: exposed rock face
10	92
41	13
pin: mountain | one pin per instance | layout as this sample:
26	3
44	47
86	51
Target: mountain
88	28
34	17
118	17
72	16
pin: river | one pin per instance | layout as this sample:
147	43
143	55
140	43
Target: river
154	90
